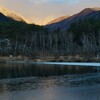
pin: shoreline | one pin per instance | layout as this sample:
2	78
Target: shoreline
91	64
24	59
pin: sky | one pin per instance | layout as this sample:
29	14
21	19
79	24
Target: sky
43	11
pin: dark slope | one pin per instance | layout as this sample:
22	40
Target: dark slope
57	20
64	24
7	15
3	18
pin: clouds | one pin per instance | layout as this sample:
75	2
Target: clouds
41	11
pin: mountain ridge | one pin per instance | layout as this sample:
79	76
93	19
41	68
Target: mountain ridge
12	15
57	19
64	24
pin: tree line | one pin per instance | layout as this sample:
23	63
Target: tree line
82	36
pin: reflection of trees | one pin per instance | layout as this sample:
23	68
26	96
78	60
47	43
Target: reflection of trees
25	70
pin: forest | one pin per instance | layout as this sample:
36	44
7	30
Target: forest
18	38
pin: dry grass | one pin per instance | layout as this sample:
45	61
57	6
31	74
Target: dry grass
75	58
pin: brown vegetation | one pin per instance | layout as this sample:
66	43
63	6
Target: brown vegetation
74	58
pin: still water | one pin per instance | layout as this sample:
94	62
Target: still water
49	82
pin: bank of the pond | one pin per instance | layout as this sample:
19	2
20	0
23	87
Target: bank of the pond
4	59
57	63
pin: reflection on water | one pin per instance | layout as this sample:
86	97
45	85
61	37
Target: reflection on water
27	70
49	82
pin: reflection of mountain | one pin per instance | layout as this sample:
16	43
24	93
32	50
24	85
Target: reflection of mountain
64	24
6	15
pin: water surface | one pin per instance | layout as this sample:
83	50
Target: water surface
49	82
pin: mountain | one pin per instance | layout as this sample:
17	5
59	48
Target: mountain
82	37
65	23
57	20
7	15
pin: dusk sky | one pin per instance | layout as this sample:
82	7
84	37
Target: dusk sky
43	11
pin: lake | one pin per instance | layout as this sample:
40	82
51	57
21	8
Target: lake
49	81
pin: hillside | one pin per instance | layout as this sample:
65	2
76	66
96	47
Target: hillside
16	34
77	34
7	15
65	23
57	20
